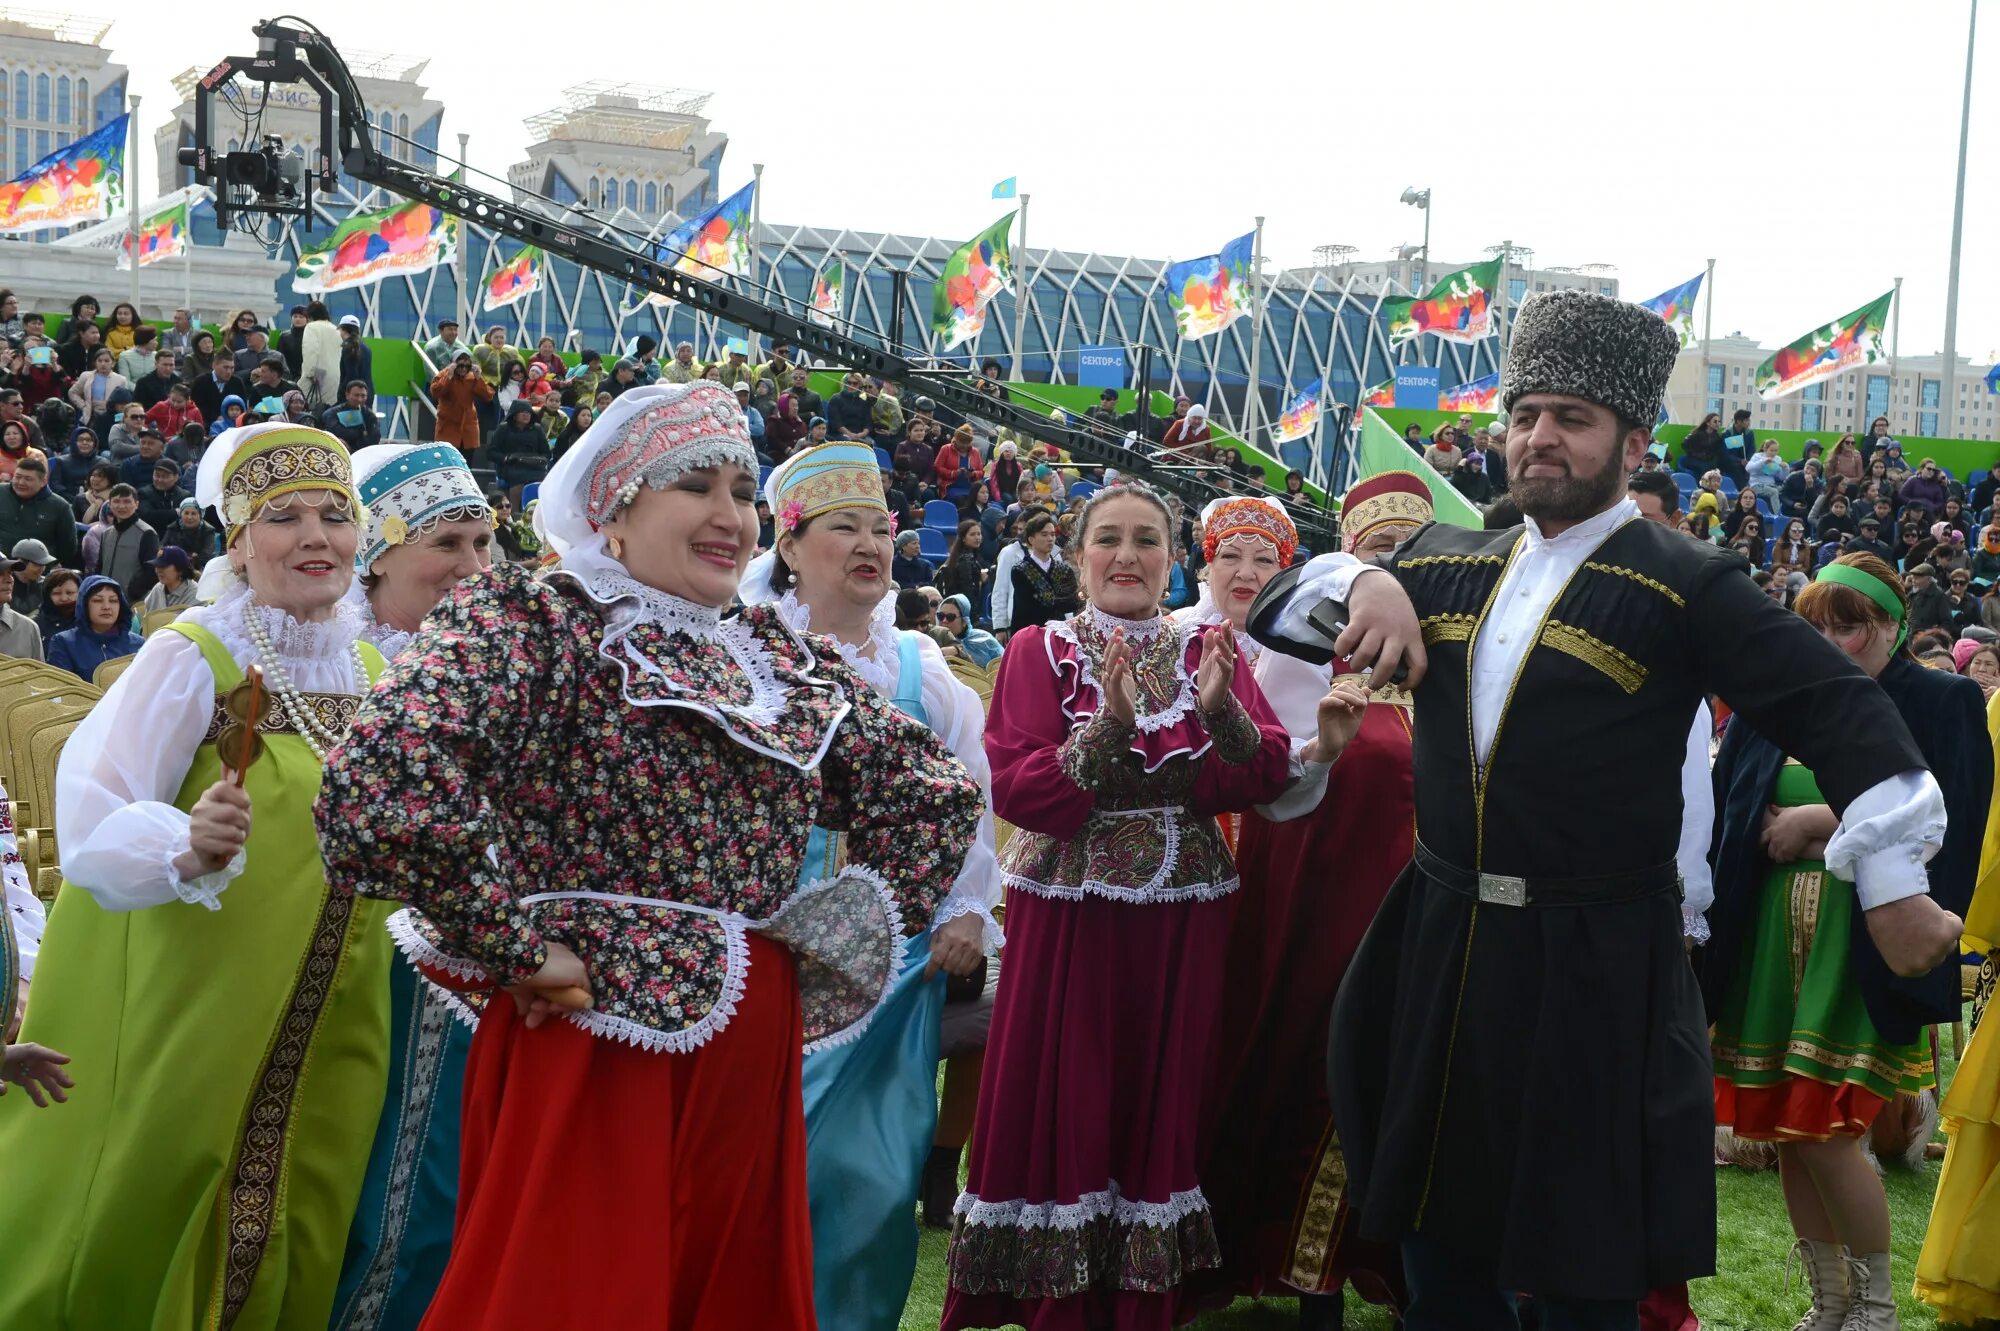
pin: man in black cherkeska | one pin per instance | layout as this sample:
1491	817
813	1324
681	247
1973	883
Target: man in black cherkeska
1519	1065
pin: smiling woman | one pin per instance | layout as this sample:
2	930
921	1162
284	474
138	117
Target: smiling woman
161	1200
595	792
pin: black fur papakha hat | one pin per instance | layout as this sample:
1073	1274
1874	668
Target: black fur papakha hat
1606	351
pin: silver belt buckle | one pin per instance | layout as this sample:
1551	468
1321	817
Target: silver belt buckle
1497	889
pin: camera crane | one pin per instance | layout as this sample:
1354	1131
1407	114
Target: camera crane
267	180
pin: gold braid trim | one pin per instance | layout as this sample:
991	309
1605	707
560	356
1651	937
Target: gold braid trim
1422	560
1623	671
1634	575
1448	628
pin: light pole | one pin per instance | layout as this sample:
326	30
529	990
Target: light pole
1421	198
1948	408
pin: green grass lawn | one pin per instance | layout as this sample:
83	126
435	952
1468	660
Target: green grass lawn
1746	1294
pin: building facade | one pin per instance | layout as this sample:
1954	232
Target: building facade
1393	277
622	148
57	84
1909	391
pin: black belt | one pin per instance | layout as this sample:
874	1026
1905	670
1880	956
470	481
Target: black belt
1496	889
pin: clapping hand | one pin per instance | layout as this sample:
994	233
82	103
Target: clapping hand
1120	687
1216	671
36	1070
1339	718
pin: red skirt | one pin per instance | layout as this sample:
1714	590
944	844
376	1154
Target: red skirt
603	1185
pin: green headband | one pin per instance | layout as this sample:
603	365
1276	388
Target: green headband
1875	590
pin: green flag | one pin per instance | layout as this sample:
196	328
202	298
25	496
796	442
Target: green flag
1458	309
1382	449
979	270
1853	339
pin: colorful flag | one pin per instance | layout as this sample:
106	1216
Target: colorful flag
1382	449
1381	396
1210	293
1993	380
1458	309
1005	189
516	280
164	235
1476	395
409	238
976	272
714	243
828	287
1852	339
1301	415
84	182
1677	307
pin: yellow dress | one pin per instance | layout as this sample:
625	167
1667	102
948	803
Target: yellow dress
1958	1272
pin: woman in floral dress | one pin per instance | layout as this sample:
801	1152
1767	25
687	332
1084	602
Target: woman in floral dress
1115	737
595	792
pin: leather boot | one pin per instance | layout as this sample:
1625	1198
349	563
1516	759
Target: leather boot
1826	1275
1872	1293
939	1192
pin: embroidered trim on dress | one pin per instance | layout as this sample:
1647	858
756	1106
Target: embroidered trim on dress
1146	723
1138	896
1422	560
1023	1214
1634	575
1448	628
1138	630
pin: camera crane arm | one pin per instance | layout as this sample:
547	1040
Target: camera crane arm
301	54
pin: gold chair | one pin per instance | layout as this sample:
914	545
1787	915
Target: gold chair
107	674
15	694
157	619
43	746
974	676
48	882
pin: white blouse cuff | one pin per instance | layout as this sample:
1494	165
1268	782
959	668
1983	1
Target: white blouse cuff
1303	795
991	939
1326	577
1886	836
1694	925
203	890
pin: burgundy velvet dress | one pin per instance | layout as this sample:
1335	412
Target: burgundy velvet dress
1084	1206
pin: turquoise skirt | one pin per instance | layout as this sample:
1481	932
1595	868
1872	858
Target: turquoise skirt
871	1111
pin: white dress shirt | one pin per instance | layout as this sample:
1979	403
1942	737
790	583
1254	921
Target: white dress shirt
1890	830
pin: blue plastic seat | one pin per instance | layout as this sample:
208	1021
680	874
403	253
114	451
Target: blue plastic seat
942	514
1729	486
1085	489
764	474
932	543
530	493
885	459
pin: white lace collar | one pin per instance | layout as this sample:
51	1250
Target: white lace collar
1136	630
878	660
390	642
296	641
650	605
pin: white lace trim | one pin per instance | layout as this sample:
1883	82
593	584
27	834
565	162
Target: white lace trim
1146	723
1091	1206
991	939
453	1002
687	1038
1136	630
856	1029
883	670
1136	896
294	640
422	951
626	609
204	890
1694	925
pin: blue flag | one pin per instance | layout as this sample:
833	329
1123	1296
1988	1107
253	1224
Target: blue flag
1676	306
1005	189
1993	380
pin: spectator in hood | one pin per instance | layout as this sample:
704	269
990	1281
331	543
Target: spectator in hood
15	449
352	420
103	631
58	610
232	410
175	588
69	472
120	546
1185	437
909	568
357	361
296	410
519	450
191	532
20	636
457	393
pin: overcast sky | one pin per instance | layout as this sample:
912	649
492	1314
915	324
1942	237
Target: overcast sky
1809	148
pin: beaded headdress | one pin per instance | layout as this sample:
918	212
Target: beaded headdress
1399	497
1247	515
408	486
653	436
248	467
824	478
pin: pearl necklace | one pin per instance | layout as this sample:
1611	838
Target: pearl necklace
278	681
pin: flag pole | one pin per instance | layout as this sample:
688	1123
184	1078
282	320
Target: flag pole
1500	300
1251	397
756	252
1947	404
1707	328
464	244
1895	340
131	184
1021	304
542	294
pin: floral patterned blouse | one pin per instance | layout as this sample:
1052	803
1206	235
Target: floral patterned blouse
637	780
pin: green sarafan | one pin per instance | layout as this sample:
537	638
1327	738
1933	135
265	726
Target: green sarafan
1747	1292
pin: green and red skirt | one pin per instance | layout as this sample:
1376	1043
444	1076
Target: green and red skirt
1796	1056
